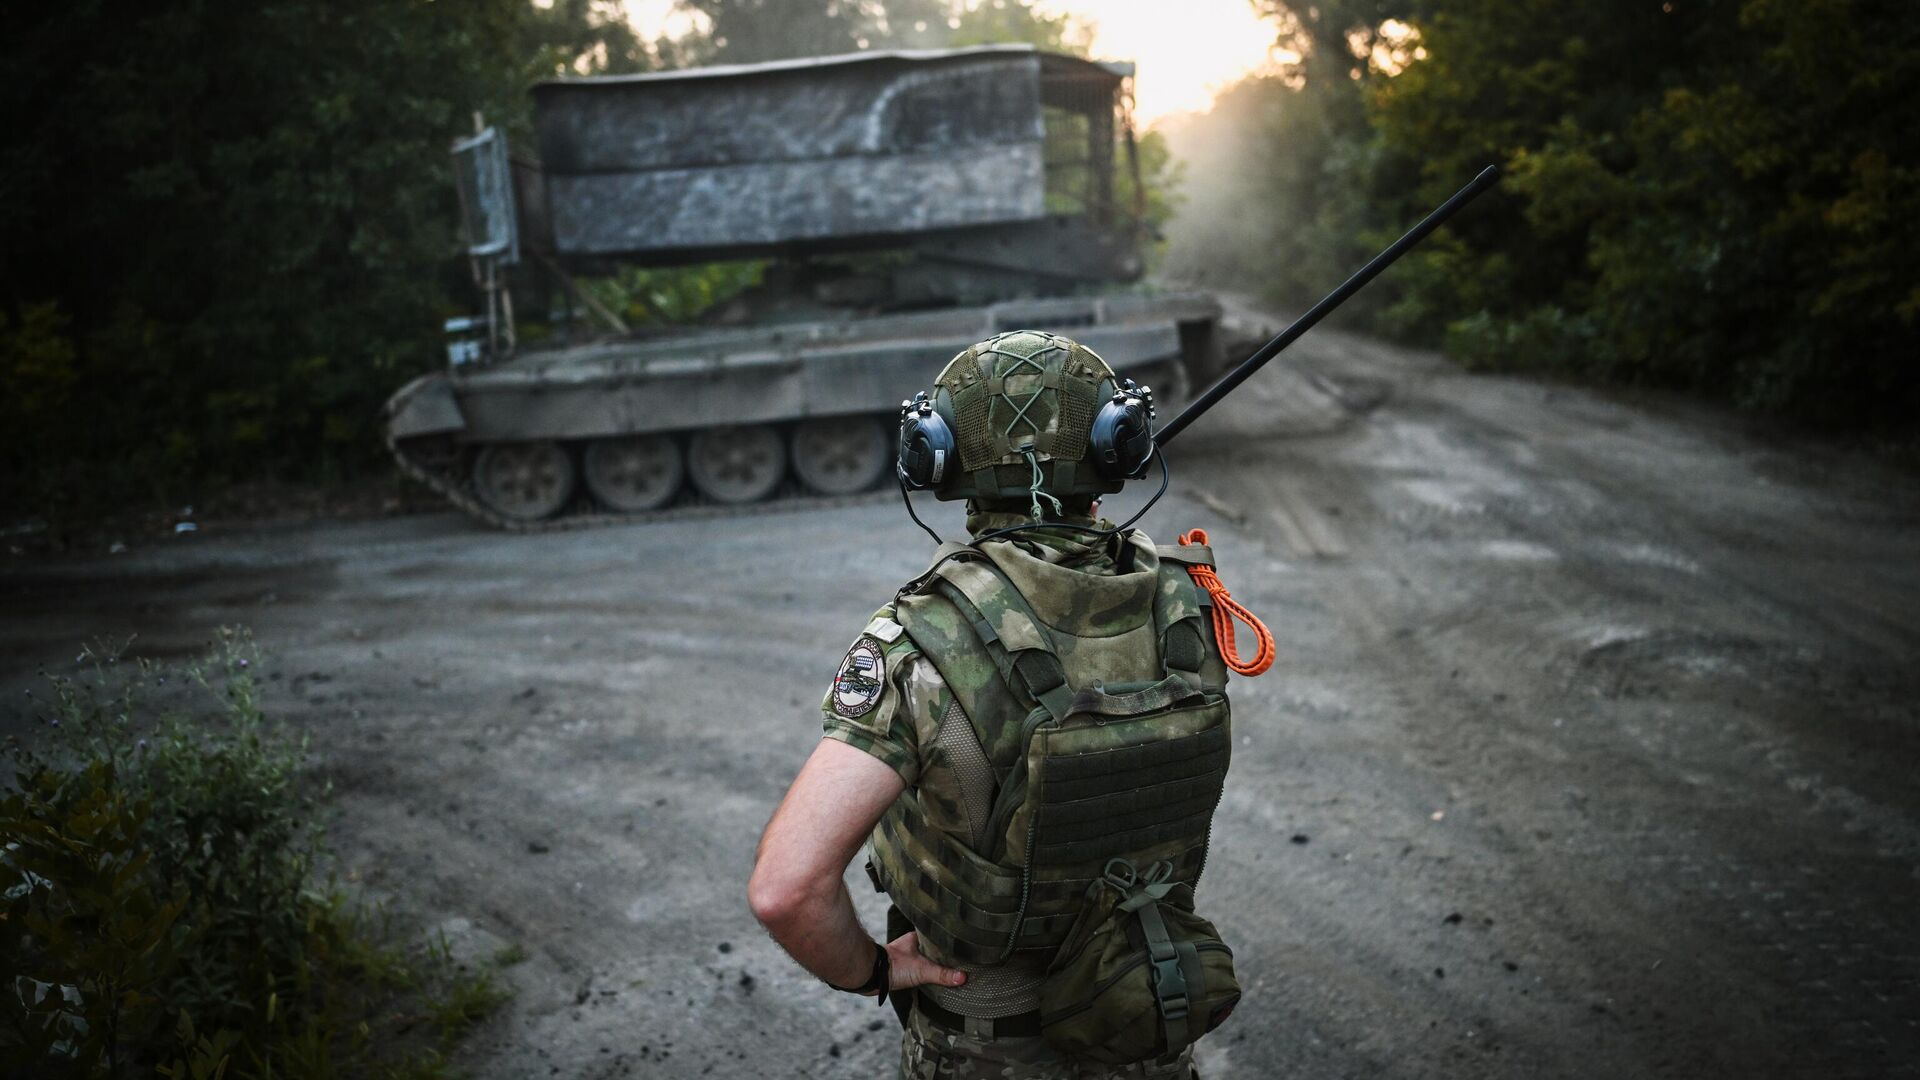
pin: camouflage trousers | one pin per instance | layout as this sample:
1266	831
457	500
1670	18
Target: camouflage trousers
930	1052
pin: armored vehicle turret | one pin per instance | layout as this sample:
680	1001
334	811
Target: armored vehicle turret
907	204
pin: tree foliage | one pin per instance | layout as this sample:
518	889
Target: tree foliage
229	230
226	226
1716	195
751	31
992	22
1283	172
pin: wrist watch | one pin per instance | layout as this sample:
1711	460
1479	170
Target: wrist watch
877	980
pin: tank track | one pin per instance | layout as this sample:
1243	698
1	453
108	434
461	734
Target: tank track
449	478
583	513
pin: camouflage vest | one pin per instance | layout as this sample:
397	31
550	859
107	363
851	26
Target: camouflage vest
1097	731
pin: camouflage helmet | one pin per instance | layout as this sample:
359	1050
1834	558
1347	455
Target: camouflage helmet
1022	409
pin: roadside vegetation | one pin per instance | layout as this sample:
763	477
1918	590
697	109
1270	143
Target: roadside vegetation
231	230
161	906
1718	197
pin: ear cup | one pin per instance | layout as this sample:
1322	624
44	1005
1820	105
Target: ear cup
926	444
1122	438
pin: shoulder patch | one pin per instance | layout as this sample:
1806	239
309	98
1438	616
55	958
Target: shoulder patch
861	680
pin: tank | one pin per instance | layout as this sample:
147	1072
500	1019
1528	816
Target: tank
908	204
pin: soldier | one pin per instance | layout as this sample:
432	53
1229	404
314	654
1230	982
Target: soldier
1013	853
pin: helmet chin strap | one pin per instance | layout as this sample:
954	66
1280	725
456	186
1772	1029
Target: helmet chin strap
1092	533
1035	492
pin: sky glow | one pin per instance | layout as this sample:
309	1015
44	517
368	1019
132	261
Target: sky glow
1186	50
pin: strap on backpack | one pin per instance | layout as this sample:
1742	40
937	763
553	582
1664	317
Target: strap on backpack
1177	975
1177	609
1018	642
1013	635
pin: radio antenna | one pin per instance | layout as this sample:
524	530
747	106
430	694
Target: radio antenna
1226	383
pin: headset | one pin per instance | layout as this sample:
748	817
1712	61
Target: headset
1120	444
926	444
1122	441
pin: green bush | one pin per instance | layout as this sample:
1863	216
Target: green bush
646	296
1714	197
230	230
160	906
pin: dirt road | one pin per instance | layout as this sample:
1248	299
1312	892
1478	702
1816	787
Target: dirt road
1590	752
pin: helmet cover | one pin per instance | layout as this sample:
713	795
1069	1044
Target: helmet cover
1022	404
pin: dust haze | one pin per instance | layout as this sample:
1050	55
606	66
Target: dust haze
1588	752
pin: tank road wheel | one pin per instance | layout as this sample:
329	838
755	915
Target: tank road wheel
840	455
634	472
525	481
737	464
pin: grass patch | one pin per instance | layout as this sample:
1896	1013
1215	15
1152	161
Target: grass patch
467	999
159	913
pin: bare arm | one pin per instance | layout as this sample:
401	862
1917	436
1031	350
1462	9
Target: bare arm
797	891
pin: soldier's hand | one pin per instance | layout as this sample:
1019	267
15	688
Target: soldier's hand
908	968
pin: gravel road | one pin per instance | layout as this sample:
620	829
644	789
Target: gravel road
1590	752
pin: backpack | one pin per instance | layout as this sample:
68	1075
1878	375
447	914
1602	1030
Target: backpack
1103	799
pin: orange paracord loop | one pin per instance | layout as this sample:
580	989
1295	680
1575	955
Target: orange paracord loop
1225	610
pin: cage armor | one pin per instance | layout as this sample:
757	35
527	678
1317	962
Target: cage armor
1096	733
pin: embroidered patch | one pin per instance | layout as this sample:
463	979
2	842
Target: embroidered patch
861	681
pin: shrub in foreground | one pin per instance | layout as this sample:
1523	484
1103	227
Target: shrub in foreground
158	911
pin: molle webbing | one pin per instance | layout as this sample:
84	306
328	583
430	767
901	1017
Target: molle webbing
925	871
1141	788
1104	805
1083	775
966	908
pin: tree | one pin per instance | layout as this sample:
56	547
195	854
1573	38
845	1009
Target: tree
1718	197
229	229
992	22
750	31
1284	172
226	226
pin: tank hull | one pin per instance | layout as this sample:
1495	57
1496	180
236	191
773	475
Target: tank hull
984	177
852	373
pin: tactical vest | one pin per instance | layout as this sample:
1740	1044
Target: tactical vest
1105	726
